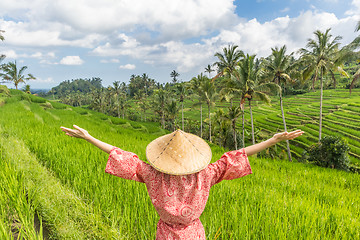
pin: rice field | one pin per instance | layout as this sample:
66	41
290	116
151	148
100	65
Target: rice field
341	117
61	182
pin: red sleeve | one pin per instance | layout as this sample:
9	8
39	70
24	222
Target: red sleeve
125	164
231	165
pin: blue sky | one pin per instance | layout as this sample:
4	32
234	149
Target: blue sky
67	39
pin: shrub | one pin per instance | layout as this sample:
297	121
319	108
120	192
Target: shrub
4	91
331	152
46	105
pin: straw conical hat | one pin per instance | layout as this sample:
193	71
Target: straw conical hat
178	153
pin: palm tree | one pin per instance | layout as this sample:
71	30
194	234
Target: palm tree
354	45
233	114
174	76
146	81
181	91
247	77
228	91
159	102
208	69
172	110
116	93
228	60
12	74
208	91
319	58
277	69
195	84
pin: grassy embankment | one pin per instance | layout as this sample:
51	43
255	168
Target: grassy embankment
68	188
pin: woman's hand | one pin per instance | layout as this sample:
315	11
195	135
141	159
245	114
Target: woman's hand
77	132
278	137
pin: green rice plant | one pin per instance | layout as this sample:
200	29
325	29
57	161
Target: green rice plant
354	110
65	214
58	105
36	99
17	212
280	200
118	121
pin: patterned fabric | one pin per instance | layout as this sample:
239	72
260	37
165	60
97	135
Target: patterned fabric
179	200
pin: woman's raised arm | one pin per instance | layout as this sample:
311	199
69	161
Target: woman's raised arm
82	133
278	137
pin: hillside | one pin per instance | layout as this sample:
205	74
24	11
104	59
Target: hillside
61	179
341	116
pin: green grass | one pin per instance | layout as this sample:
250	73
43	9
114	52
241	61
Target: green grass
280	200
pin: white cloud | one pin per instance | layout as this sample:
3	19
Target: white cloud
355	10
44	80
113	60
285	10
84	22
11	54
127	66
71	60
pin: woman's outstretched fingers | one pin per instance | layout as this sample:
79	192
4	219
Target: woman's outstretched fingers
78	132
295	134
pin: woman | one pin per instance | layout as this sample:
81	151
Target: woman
179	176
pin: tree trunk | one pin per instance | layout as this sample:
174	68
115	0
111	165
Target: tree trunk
234	129
243	128
163	120
252	124
321	98
182	114
231	103
284	122
209	123
201	122
333	78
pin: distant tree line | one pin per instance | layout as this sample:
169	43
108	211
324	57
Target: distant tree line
240	78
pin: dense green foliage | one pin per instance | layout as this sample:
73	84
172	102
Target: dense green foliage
76	85
331	152
280	200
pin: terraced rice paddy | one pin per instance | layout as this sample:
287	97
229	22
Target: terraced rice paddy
62	180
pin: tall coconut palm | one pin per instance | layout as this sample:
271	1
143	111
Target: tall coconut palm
228	60
209	70
181	91
12	74
160	98
172	111
354	45
174	76
208	92
319	57
233	114
116	94
277	68
145	78
195	84
248	78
